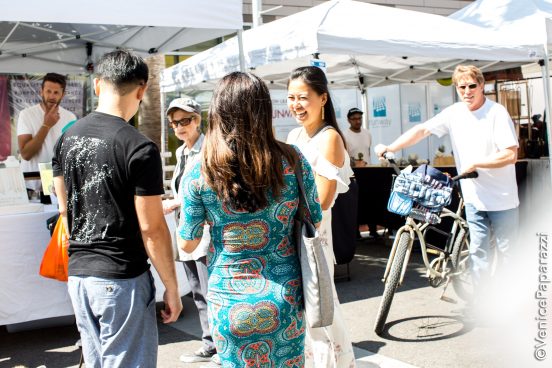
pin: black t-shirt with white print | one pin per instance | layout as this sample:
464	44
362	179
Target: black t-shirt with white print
105	162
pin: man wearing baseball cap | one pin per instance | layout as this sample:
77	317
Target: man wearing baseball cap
184	115
359	141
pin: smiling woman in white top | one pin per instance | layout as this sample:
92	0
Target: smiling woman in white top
321	142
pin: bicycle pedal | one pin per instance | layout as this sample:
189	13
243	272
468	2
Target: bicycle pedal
433	251
448	299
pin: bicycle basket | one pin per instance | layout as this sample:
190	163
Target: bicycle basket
428	188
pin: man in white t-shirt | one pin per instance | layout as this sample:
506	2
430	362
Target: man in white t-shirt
358	139
483	140
39	126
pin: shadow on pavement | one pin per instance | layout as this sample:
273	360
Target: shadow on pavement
170	335
371	346
368	267
427	328
32	349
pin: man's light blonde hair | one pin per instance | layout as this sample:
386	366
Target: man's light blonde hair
467	71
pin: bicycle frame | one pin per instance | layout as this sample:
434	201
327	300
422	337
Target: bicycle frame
416	231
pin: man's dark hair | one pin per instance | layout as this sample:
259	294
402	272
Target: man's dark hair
55	78
123	70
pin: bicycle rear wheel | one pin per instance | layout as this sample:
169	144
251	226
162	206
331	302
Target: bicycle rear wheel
391	283
462	281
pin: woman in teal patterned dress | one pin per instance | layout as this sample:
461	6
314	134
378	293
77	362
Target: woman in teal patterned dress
245	189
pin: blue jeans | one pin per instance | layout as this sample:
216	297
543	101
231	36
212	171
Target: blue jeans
116	320
501	226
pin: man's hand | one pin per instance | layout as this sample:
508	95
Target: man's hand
380	149
51	117
173	306
470	169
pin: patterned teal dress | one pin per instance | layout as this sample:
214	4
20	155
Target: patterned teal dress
255	294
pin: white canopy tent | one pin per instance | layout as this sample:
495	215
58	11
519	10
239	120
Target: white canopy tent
529	21
525	17
38	37
392	45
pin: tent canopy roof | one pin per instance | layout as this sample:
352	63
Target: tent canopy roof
39	38
393	45
524	18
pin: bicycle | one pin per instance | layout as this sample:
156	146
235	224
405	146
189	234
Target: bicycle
419	220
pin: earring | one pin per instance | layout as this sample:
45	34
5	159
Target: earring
322	112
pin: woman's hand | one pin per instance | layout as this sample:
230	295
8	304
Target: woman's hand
170	205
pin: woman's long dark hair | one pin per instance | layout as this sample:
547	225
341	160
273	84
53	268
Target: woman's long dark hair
315	78
242	161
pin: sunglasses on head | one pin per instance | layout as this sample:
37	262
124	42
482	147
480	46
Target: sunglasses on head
182	122
470	86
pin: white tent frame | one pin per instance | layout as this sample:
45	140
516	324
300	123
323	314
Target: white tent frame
378	54
39	39
356	57
35	38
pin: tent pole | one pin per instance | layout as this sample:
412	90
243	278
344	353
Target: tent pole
163	129
364	104
256	6
92	93
546	79
241	52
365	115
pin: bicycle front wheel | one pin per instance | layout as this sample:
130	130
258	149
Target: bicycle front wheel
456	254
392	283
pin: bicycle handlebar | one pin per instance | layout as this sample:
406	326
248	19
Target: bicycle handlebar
470	175
390	157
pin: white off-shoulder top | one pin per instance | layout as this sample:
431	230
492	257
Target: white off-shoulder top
310	147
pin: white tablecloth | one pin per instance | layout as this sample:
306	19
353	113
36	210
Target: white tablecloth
24	294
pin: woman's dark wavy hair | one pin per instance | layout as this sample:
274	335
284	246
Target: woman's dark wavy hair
242	160
315	78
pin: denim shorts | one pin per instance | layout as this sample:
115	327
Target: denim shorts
116	320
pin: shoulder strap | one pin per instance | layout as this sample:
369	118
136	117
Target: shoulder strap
303	203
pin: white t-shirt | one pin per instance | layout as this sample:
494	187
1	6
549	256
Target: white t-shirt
29	122
475	135
193	158
358	143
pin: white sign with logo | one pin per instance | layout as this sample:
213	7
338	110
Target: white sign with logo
384	114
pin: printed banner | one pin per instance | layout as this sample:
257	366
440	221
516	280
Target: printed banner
25	92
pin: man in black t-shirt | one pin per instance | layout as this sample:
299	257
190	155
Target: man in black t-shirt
108	178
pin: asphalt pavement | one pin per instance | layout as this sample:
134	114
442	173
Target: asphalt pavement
422	329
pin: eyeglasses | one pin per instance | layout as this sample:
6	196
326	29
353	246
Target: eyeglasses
470	86
182	122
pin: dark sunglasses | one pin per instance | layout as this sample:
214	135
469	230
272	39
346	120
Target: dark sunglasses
182	122
470	86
